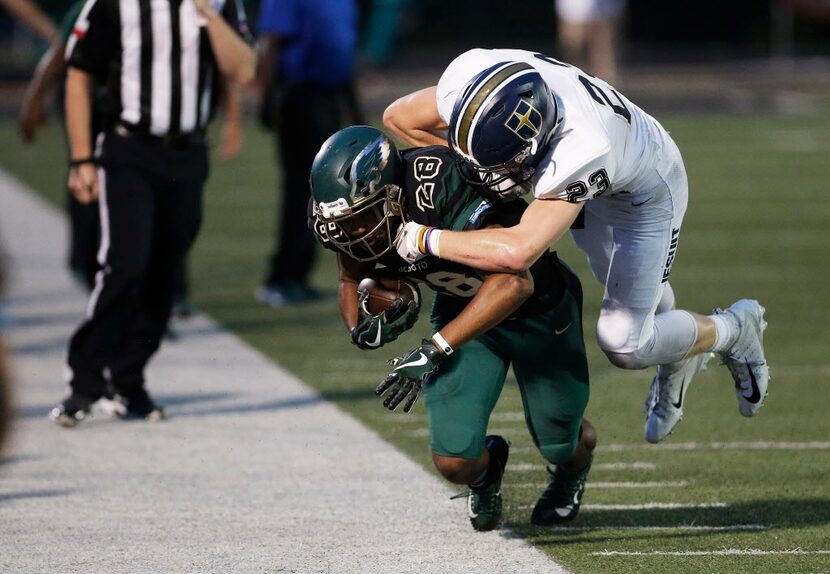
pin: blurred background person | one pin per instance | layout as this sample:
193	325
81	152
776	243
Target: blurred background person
30	15
306	71
587	34
148	169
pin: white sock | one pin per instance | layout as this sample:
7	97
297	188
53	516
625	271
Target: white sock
727	330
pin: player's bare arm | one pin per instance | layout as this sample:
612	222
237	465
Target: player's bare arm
497	298
351	272
414	119
509	249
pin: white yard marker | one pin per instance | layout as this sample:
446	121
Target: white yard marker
646	506
528	466
723	552
625	466
652	484
685	527
654	506
758	445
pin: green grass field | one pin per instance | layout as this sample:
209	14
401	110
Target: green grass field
756	226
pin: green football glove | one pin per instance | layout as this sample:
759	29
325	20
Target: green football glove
412	371
374	331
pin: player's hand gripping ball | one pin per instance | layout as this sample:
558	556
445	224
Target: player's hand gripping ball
387	306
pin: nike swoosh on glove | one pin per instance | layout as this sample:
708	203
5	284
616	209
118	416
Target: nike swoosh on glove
374	331
412	371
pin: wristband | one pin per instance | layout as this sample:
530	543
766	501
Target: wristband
428	241
442	344
82	161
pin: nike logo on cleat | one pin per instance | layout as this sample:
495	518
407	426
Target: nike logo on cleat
756	392
679	403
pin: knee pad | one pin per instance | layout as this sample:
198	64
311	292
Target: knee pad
616	329
627	360
559	452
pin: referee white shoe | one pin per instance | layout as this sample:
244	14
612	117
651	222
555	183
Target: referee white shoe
745	359
664	404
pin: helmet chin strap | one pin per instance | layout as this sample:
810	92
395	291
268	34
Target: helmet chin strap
534	145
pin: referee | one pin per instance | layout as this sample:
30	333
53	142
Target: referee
161	61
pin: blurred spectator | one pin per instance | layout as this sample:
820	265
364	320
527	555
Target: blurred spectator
587	34
29	14
148	169
306	70
382	30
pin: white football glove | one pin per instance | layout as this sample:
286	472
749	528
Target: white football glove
414	241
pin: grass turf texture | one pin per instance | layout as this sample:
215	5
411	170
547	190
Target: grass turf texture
756	226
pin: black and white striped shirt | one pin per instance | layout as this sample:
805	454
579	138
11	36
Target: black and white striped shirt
155	58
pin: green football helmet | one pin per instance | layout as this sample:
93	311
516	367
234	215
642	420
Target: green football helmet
356	190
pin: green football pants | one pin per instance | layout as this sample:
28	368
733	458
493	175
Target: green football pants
547	353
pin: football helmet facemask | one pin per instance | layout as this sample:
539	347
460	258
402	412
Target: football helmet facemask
356	192
501	127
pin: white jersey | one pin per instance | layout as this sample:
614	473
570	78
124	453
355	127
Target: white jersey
604	146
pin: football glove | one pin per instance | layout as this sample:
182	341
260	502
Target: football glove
415	241
412	371
374	331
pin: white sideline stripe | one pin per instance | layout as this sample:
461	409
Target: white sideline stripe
652	484
757	445
528	466
685	527
723	552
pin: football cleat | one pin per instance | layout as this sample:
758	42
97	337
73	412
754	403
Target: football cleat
664	404
484	504
139	405
71	411
561	499
745	359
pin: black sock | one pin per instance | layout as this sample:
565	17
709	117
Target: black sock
492	474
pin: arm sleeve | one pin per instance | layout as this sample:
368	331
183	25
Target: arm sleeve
278	17
234	14
94	39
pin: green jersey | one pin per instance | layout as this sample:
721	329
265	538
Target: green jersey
438	195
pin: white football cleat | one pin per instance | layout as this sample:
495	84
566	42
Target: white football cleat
745	359
664	404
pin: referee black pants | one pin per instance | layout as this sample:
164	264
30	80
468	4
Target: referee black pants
151	205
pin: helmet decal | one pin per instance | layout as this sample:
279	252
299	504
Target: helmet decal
367	168
525	121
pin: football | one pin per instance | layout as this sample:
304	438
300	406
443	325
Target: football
385	288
